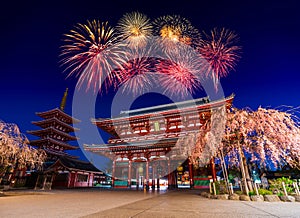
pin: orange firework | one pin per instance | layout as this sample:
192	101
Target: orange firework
175	29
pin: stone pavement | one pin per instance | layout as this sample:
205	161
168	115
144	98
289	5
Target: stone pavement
91	203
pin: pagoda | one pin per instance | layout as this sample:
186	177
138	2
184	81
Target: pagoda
143	147
54	134
62	169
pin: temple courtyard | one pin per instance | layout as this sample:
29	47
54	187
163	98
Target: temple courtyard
124	203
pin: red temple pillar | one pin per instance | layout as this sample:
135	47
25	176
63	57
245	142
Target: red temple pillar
213	169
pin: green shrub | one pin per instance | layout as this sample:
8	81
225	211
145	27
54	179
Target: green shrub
263	192
221	187
251	193
277	188
260	192
239	192
279	194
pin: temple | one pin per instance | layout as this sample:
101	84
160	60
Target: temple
60	168
144	146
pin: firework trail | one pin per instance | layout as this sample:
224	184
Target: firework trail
91	51
220	51
135	27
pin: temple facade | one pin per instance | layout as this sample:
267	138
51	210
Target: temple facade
61	169
144	146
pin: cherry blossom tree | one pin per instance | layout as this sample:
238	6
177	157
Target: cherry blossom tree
15	153
269	136
264	136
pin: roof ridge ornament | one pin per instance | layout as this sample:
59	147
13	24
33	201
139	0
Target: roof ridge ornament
64	100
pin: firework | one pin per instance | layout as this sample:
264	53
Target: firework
135	76
175	29
135	28
91	52
220	51
180	71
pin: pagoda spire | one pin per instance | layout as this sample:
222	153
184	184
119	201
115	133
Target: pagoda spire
64	100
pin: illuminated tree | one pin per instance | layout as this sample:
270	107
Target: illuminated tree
266	136
15	153
269	136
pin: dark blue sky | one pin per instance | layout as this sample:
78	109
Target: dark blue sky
31	33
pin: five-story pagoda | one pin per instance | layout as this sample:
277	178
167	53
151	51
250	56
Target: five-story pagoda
54	134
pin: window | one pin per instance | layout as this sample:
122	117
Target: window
82	178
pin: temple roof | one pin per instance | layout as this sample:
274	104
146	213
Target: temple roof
73	164
132	145
54	113
48	130
51	121
60	153
172	108
41	142
166	107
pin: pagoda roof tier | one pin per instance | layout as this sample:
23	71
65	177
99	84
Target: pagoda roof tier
74	165
43	132
41	142
60	153
53	121
59	114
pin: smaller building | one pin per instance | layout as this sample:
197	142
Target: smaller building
70	173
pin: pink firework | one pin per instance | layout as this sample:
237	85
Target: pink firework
91	52
135	76
220	51
181	72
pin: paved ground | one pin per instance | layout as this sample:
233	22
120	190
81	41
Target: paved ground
107	203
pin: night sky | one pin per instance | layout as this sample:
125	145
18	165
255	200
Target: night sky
31	34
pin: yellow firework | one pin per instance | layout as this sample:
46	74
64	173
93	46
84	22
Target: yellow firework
135	27
176	29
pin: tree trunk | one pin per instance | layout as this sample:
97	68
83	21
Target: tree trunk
247	174
224	169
